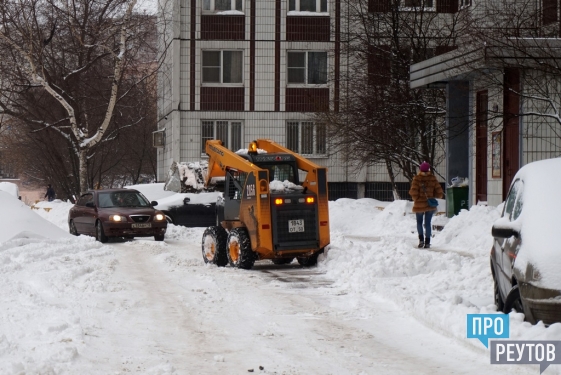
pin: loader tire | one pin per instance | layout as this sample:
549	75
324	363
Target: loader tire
282	261
239	250
214	246
310	261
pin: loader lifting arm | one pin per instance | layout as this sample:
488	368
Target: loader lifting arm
221	158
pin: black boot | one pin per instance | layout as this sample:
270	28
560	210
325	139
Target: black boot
421	242
427	243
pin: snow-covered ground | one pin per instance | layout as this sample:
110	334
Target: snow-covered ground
374	305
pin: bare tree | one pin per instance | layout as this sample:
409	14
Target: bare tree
69	73
381	119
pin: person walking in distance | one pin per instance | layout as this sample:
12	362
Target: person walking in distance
424	188
50	195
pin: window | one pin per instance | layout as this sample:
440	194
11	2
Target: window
307	67
308	5
84	199
306	137
515	191
549	11
418	3
222	66
222	5
229	132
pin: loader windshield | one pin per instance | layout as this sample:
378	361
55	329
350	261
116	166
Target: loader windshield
281	172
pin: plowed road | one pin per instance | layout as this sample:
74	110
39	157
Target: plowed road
169	313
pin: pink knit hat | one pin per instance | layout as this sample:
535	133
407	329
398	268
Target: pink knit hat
424	167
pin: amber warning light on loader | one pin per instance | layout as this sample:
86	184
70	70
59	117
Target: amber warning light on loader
252	149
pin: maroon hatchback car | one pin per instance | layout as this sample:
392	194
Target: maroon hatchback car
116	213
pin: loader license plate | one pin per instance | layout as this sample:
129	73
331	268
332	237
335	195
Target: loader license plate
141	225
295	226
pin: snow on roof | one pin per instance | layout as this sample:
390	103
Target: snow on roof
244	151
277	185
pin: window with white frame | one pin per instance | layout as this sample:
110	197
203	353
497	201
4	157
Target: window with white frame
229	132
222	66
318	6
222	5
306	137
307	67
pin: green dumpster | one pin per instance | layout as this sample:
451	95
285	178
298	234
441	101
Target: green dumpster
456	200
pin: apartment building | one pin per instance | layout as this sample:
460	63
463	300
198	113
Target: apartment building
238	70
503	95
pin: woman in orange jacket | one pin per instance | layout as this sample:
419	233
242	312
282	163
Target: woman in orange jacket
424	186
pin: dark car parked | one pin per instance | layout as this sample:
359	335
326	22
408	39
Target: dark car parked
191	215
116	213
190	209
526	252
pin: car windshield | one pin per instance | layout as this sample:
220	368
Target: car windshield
122	199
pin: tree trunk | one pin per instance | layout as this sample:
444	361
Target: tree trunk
391	174
83	157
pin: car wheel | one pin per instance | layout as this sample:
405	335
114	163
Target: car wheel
72	228
129	238
498	299
513	301
239	250
158	237
99	234
214	246
282	261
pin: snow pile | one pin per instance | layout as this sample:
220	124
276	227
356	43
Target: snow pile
46	284
56	212
10	188
470	230
186	177
62	297
354	217
276	186
437	286
18	221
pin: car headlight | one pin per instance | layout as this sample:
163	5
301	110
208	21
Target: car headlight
117	218
159	217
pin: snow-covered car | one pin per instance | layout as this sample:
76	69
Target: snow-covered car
116	213
526	252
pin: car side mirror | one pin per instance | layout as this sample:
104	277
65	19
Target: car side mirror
502	232
186	200
90	205
154	203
